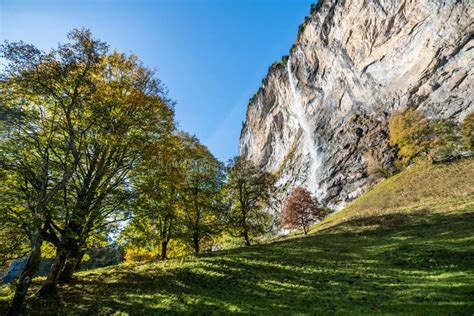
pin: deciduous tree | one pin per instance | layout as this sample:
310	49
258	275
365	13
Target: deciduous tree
44	94
248	191
201	199
128	112
301	210
158	183
411	133
78	120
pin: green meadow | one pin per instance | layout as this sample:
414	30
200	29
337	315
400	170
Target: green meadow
369	258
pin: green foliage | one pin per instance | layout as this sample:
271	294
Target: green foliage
445	139
397	249
417	137
75	122
178	203
467	131
303	25
315	7
147	253
409	131
141	254
12	248
248	192
201	199
158	180
47	96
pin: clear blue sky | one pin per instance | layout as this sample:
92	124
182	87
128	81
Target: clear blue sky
211	54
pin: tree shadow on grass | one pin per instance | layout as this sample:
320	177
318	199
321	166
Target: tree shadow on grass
417	263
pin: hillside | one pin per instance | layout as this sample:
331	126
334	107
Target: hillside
406	246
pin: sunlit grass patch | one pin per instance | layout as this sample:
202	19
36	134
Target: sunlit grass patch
418	260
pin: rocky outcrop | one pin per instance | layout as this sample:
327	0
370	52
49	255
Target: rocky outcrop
321	111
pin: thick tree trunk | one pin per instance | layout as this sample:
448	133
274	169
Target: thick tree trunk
30	270
66	274
79	260
246	237
196	243
164	246
49	288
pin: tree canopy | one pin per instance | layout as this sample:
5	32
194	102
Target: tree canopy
248	192
301	210
75	120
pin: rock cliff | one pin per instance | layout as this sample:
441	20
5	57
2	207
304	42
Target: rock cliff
321	111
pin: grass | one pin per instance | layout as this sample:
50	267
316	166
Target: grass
436	188
413	260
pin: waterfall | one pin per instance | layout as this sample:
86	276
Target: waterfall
310	144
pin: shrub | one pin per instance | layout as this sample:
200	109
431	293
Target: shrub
410	132
467	132
445	139
315	7
176	248
375	168
438	140
141	255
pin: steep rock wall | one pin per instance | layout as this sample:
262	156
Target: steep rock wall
322	110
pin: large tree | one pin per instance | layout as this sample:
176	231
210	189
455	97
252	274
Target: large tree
43	94
201	198
248	192
78	121
158	184
129	113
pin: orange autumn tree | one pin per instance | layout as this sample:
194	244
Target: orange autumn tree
301	210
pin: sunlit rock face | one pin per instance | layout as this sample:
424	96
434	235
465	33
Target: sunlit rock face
318	114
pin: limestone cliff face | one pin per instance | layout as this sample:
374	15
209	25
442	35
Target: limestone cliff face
322	110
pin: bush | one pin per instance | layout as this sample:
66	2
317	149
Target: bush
141	255
417	137
315	7
176	248
467	132
445	139
410	132
375	168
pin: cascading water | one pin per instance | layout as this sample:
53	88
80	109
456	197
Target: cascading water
310	144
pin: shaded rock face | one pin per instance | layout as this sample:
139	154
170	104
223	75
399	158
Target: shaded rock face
321	111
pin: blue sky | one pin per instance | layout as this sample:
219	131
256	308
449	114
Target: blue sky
211	54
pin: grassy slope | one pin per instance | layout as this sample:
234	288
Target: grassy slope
407	246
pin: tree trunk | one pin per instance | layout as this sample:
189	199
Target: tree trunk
305	230
31	268
164	246
196	243
65	276
246	237
244	226
79	260
49	288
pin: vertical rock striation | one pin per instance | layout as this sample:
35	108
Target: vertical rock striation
321	110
